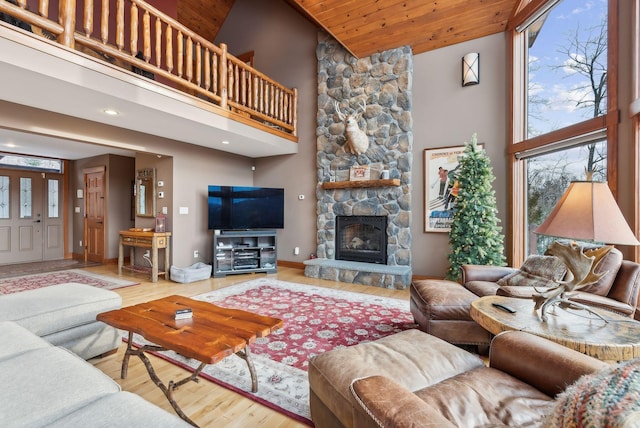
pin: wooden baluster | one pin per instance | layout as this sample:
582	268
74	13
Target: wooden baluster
236	86
279	103
180	42
22	3
256	98
231	83
169	48
146	36
189	60
198	64
271	103
88	17
120	24
207	69
43	8
223	75
158	42
68	20
104	22
214	71
133	43
294	112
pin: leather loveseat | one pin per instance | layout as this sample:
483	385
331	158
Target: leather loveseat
518	388
618	290
416	379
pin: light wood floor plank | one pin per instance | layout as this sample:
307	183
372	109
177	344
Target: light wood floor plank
205	402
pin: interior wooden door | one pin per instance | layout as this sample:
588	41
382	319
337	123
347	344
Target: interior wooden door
21	220
94	217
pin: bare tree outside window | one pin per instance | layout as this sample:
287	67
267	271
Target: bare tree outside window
567	84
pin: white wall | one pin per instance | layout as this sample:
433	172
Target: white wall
447	114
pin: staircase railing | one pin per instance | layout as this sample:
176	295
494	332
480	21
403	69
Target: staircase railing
139	37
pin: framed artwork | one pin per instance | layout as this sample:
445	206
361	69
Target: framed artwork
359	173
441	187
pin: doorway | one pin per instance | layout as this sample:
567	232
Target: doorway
31	216
94	230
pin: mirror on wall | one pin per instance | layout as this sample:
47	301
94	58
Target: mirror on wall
146	192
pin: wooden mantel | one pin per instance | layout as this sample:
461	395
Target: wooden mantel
392	182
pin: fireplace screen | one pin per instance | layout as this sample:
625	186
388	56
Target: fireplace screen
361	238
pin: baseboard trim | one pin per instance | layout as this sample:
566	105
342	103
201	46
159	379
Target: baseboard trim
296	265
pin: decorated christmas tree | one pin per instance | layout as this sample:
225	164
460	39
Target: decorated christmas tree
475	237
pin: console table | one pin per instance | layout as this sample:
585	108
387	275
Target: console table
616	340
151	240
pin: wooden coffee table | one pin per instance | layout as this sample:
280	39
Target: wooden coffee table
211	335
616	340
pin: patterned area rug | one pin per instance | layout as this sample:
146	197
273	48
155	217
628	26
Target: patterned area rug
31	282
316	320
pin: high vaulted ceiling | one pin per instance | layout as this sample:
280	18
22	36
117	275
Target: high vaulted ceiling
365	27
368	26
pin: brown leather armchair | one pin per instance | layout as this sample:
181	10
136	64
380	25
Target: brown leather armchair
525	374
617	291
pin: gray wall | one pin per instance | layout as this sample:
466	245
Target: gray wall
444	114
284	45
187	170
447	114
117	216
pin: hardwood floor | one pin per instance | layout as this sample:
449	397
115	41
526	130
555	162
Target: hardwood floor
204	402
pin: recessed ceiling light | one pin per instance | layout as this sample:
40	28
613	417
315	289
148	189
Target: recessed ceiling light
225	142
111	112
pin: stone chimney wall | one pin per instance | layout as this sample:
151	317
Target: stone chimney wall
384	82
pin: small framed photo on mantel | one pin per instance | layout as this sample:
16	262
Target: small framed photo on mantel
359	173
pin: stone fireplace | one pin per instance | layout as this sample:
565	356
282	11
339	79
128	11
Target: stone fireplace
361	238
383	83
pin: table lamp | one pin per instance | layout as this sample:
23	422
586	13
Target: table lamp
587	211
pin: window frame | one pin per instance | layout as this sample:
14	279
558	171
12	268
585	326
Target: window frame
528	10
634	112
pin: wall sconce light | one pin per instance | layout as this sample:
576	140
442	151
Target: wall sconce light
471	69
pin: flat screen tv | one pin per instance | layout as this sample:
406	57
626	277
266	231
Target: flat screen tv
243	208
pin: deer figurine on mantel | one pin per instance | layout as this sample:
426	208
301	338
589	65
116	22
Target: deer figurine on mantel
357	139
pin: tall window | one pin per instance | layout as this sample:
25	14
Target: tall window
567	66
561	100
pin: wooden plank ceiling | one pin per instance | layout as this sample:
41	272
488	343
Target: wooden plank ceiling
365	27
368	26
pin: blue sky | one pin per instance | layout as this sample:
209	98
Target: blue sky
561	87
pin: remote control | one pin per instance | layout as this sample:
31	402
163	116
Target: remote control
504	308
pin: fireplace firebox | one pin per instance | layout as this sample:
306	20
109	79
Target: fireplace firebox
361	238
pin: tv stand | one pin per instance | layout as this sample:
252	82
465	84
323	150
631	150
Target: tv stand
244	251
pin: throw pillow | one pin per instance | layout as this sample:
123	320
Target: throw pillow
608	398
536	271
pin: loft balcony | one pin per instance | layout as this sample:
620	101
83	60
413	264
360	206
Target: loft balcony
127	55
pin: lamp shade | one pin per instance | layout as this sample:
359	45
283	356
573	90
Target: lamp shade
471	69
588	212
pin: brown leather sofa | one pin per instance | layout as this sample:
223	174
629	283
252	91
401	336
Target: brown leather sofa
518	387
617	291
416	379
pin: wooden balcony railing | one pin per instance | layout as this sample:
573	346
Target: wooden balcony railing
136	36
